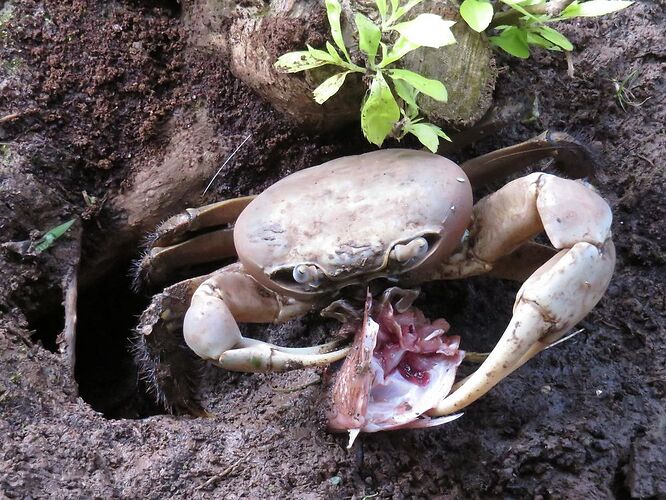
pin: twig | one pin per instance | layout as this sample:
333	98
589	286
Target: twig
287	390
570	64
10	117
646	159
68	346
225	163
564	339
609	324
224	473
511	17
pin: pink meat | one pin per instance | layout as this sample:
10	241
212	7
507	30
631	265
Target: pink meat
399	367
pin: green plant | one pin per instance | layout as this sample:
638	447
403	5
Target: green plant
46	241
624	91
525	22
382	115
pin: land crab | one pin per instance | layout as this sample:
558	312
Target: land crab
378	225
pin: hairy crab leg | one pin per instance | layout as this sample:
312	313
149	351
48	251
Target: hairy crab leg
570	155
177	228
176	244
157	265
562	291
169	369
229	296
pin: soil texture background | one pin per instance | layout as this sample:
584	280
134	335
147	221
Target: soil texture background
112	98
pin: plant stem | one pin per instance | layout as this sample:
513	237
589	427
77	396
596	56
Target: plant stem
512	16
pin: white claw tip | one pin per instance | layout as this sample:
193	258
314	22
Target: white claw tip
353	433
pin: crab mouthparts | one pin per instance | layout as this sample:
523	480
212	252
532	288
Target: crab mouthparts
399	367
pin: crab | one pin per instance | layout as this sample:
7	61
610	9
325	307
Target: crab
379	224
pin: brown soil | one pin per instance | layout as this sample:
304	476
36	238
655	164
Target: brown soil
93	94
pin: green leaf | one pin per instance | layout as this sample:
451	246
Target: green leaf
52	235
528	3
593	8
293	62
322	55
333	11
519	7
426	135
477	13
379	111
512	40
401	47
334	53
398	12
555	37
384	50
408	94
369	36
427	30
439	132
432	88
382	8
539	41
329	87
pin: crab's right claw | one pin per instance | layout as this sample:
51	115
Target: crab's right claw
211	331
562	291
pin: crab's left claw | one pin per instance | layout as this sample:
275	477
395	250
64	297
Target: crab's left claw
561	292
230	295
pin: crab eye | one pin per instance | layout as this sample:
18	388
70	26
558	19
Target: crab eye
307	275
416	248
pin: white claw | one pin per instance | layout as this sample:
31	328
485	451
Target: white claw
209	327
353	434
211	331
562	291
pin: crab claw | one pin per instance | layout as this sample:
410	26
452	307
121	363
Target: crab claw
399	366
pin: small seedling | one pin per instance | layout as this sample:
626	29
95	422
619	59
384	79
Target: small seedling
525	23
382	114
624	91
52	235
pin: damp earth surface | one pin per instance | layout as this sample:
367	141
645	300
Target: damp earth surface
105	107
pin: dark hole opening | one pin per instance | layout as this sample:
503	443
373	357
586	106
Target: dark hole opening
174	7
47	328
105	369
44	312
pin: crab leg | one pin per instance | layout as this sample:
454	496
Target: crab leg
562	291
176	229
157	265
210	326
176	244
570	155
